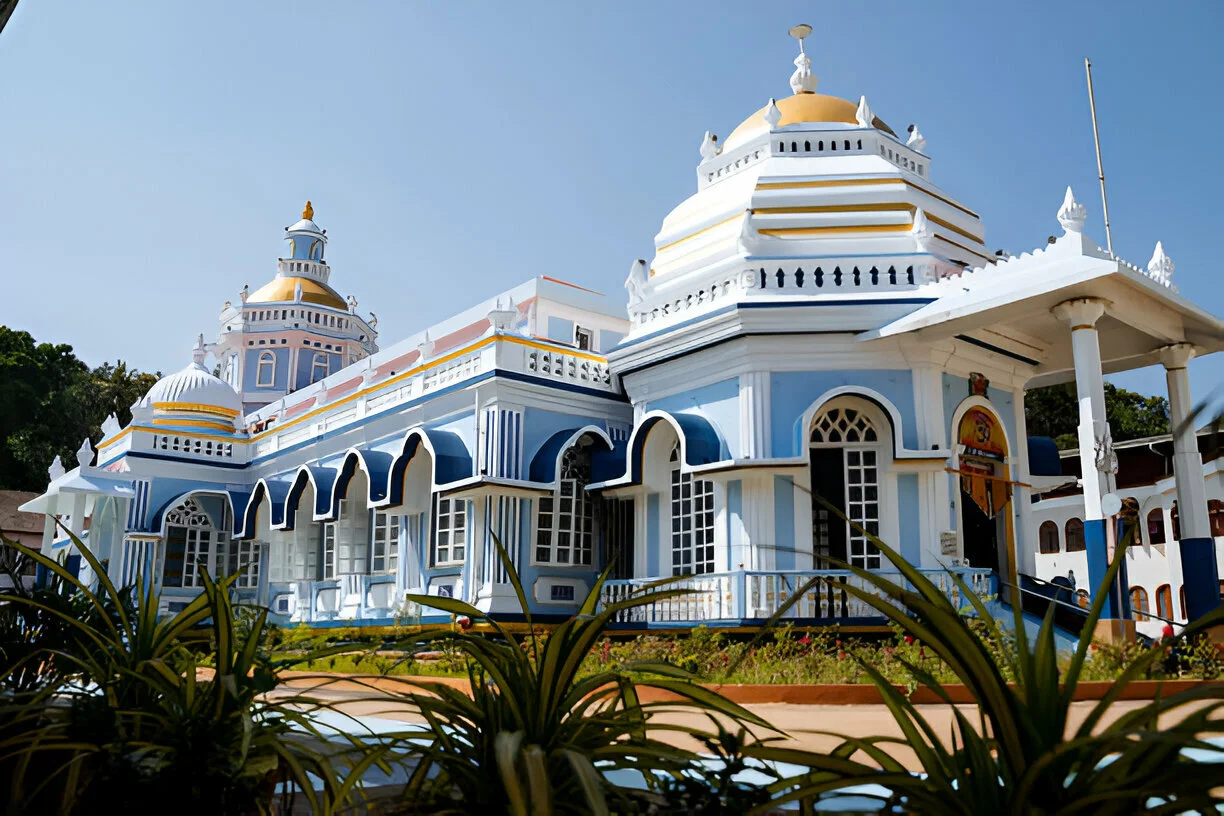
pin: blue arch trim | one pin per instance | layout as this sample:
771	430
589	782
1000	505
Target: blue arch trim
237	498
544	463
452	460
276	491
699	440
323	478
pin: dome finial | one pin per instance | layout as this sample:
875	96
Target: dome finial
200	350
308	211
803	80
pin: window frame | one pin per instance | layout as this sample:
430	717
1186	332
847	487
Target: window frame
852	430
269	359
576	526
699	518
384	535
1068	538
450	510
320	359
1159	533
584	332
1046	526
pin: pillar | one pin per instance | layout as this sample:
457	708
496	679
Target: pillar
1094	444
1200	578
933	485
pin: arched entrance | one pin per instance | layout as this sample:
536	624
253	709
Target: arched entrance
985	518
196	536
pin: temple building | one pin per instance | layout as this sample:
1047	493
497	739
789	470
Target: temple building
819	319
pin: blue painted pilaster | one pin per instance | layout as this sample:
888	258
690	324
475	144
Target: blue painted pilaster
1200	578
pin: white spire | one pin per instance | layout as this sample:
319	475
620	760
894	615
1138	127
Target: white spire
297	292
85	453
803	80
772	114
111	426
916	141
1072	214
200	350
1161	266
709	146
57	469
863	115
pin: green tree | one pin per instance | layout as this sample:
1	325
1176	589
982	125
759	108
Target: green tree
50	400
1054	412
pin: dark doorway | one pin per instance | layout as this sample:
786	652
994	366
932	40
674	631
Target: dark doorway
981	535
828	530
616	529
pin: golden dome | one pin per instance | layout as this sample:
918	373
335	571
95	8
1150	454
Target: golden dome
804	107
281	289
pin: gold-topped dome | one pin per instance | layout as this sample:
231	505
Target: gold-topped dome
803	107
279	290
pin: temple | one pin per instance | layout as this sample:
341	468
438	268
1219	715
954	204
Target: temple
819	319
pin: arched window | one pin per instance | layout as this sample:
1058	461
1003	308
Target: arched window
1130	521
320	369
195	541
1073	531
1047	536
1215	515
1176	525
1139	603
265	373
845	460
316	250
1181	602
1156	526
692	518
1164	601
566	520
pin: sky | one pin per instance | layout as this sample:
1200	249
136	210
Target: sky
151	153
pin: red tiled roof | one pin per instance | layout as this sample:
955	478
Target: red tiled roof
13	520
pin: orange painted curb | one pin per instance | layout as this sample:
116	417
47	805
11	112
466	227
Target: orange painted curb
814	694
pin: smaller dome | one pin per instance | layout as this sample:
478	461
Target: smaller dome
194	389
306	225
803	108
281	290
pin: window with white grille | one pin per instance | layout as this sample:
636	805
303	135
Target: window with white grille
566	521
244	562
450	531
852	432
384	544
192	542
692	518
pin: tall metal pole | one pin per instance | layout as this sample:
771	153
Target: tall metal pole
1096	138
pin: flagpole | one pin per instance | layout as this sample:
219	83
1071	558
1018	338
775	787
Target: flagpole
1096	138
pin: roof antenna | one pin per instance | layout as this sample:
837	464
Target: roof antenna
1096	138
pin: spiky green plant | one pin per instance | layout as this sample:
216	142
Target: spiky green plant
1021	753
535	735
125	717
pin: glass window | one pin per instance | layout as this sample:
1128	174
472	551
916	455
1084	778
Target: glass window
1215	515
385	543
450	531
1139	603
193	543
320	369
1074	533
692	518
1164	601
1048	537
852	431
329	550
565	522
265	373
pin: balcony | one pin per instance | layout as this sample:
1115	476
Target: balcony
748	597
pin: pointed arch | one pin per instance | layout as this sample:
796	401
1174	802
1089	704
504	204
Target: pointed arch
700	442
804	425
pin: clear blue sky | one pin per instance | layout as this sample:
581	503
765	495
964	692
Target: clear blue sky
152	152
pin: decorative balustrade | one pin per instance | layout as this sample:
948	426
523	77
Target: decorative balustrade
751	595
561	366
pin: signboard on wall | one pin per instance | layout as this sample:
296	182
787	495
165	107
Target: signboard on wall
981	435
947	544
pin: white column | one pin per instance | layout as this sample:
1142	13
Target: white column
1199	568
48	537
755	439
1022	505
1082	316
932	485
1187	463
757	503
478	536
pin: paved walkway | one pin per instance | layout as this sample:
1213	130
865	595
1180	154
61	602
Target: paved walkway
803	723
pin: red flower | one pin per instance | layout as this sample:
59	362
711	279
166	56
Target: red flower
464	622
841	655
921	652
909	640
805	640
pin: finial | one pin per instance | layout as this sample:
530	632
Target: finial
352	304
111	426
297	292
802	81
709	146
1161	266
916	141
308	212
772	114
1072	214
85	453
57	469
635	284
863	115
198	352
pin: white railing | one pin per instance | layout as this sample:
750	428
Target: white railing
758	595
561	366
